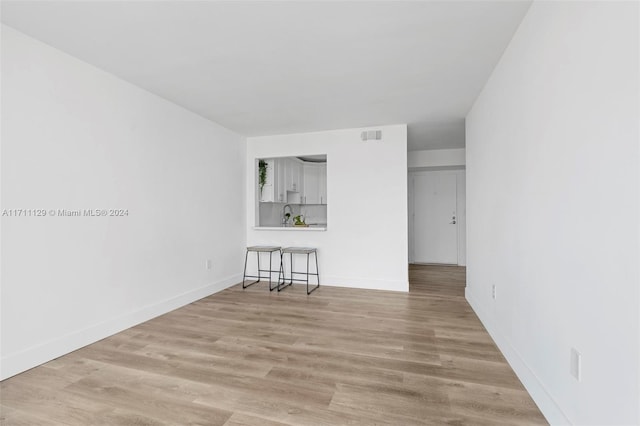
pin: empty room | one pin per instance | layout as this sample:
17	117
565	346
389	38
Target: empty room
320	212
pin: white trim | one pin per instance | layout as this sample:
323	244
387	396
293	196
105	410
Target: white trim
18	362
541	396
363	283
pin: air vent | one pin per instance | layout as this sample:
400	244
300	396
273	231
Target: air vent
369	135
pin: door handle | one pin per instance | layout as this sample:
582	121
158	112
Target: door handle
453	222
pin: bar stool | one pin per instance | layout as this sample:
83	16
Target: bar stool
257	250
298	250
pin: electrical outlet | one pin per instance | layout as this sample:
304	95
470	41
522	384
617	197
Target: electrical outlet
575	366
209	264
493	291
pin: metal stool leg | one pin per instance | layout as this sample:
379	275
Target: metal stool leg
282	285
271	272
307	273
317	274
244	276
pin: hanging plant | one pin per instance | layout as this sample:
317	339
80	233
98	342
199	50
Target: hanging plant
262	174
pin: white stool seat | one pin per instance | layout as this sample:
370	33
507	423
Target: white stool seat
299	250
263	249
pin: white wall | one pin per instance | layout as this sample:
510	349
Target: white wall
460	210
75	137
553	208
436	158
365	244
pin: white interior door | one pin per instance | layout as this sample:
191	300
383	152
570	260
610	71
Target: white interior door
435	229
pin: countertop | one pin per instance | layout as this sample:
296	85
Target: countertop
291	228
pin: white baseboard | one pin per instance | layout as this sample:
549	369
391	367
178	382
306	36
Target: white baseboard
364	283
18	362
548	406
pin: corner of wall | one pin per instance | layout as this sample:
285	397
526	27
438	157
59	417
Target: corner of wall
541	396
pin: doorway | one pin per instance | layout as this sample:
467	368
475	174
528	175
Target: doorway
437	217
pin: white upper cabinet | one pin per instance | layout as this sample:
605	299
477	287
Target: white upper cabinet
280	173
293	174
323	183
311	194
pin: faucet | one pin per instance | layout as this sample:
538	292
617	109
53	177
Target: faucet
285	219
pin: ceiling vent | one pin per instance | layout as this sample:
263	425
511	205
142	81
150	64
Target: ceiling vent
371	135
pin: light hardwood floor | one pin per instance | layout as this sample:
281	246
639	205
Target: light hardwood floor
249	357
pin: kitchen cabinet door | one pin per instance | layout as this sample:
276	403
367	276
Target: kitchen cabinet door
293	173
288	174
311	184
280	180
296	175
323	183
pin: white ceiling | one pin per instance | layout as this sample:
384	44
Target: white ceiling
263	68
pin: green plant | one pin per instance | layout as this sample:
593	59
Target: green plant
262	174
298	220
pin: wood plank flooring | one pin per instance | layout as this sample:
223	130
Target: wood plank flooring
249	357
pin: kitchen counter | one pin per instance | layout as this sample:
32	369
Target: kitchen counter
291	228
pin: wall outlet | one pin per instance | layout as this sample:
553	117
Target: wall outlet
493	291
209	264
575	365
